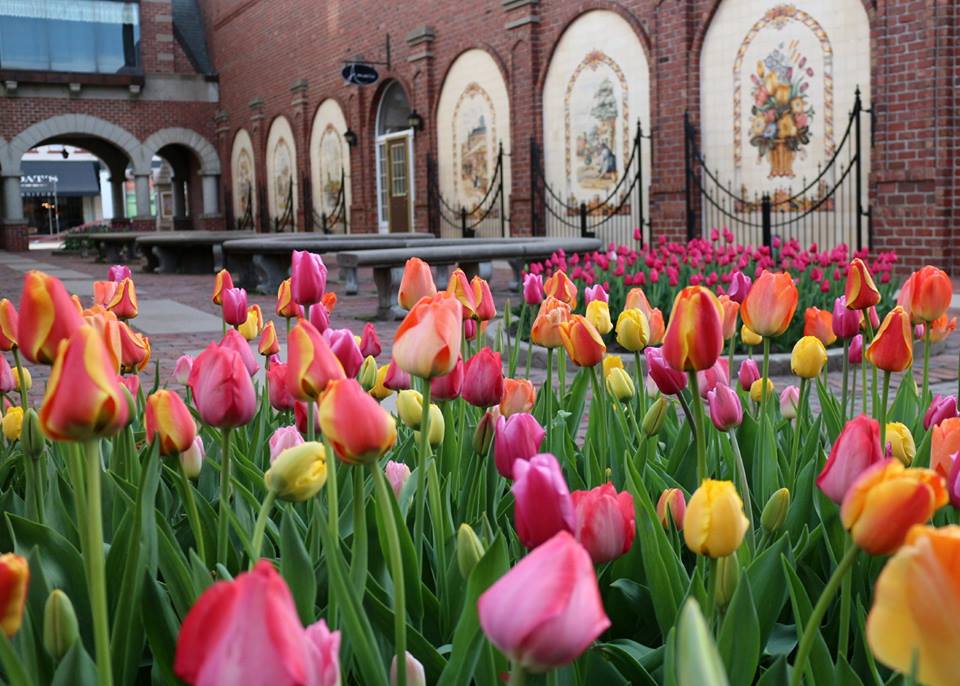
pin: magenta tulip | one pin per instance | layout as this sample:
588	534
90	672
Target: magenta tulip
726	412
222	390
118	273
846	322
856	448
545	611
369	341
234	340
396	379
717	375
517	437
856	349
953	481
483	379
942	407
308	277
532	289
542	503
739	287
748	374
280	397
448	386
281	439
668	380
605	522
234	304
345	347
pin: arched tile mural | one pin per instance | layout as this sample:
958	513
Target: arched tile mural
243	173
282	182
329	158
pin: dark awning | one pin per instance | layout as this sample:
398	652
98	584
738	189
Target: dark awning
64	179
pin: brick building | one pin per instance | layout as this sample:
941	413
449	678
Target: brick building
768	88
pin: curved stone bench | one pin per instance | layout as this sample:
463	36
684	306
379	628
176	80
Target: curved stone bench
186	252
116	246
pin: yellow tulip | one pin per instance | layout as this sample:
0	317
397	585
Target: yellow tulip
808	357
619	384
598	314
13	423
299	472
901	443
436	426
749	337
633	330
611	362
410	407
714	523
756	390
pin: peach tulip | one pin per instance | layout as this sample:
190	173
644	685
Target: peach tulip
671	507
819	324
546	327
417	282
359	430
46	317
926	294
694	338
892	348
103	292
427	343
582	341
944	444
861	292
14	581
771	303
168	420
731	310
559	286
519	395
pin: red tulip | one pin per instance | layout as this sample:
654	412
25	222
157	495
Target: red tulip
311	364
856	448
345	347
308	277
234	304
46	317
483	379
671	507
222	390
280	398
605	522
369	341
169	421
892	348
359	430
234	340
517	437
694	338
861	292
542	503
547	610
448	386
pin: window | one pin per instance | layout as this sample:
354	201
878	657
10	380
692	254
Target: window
91	36
382	186
398	169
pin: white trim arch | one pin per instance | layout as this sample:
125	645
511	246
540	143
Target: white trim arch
205	152
329	156
243	146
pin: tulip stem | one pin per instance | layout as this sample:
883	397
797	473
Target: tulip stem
846	371
924	400
873	368
845	590
192	514
883	412
518	677
698	427
641	386
731	346
863	373
515	348
223	523
744	484
813	624
548	404
260	528
96	572
764	387
562	375
422	473
396	567
21	380
358	559
795	444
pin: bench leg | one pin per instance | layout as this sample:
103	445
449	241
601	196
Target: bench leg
443	273
217	258
166	260
486	270
348	275
109	252
270	270
384	282
151	263
471	269
517	267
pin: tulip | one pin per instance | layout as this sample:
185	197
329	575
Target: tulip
739	286
437	427
886	500
611	362
191	460
532	289
747	374
298	472
485	308
726	579
222	282
14	580
134	349
819	323
694	337
519	395
484	431
300	418
369	342
598	314
547	610
605	523
483	379
367	376
248	629
714	523
846	322
181	371
417	283
169	421
942	407
395	378
657	327
552	316
269	345
7	383
655	417
633	330
119	272
380	390
359	430
281	439
27	380
756	390
808	357
671	508
953	483
234	340
286	307
731	310
861	292
459	288
892	348
517	437
83	399
856	449
774	513
448	386
726	412
718	374
222	390
582	341
471	329
941	327
560	286
637	300
542	503
9	320
46	317
397	474
748	336
415	674
911	627
856	349
344	346
124	300
103	292
312	364
280	398
789	402
308	277
620	384
595	292
60	627
900	443
427	343
469	550
944	443
410	407
253	324
12	423
668	380
926	294
769	306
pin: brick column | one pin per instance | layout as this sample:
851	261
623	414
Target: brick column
258	135
299	105
422	100
224	149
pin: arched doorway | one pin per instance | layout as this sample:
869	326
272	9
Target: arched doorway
394	141
187	184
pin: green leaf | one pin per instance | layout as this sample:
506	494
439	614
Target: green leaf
776	674
767	587
845	676
821	665
161	627
76	669
697	661
739	639
629	657
830	411
297	569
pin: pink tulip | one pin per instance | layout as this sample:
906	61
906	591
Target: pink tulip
856	448
118	273
789	402
396	379
542	503
234	340
739	287
247	631
855	355
369	341
483	379
545	611
308	277
605	522
320	317
846	322
448	386
717	375
671	508
953	481
668	380
595	292
533	289
747	374
874	317
416	676
300	418
222	390
517	437
397	474
131	382
726	412
280	398
181	371
7	383
234	304
281	439
942	407
345	347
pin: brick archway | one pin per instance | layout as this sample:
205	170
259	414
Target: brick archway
205	152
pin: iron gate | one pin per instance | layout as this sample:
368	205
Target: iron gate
829	210
487	218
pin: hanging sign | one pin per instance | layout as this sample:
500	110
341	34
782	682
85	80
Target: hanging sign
359	74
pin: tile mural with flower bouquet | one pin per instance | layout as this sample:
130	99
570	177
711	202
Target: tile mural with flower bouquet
781	109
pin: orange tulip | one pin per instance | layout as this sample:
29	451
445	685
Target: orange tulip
861	292
84	399
459	287
8	325
14	580
926	295
546	327
222	281
560	286
124	300
286	307
417	282
657	326
519	395
169	421
582	341
770	304
103	292
892	349
427	344
359	430
819	324
46	317
637	299
731	310
108	326
311	364
486	309
269	345
694	338
134	350
941	327
915	618
886	500
944	444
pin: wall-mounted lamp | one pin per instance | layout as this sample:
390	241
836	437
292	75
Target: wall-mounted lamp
350	137
65	153
415	121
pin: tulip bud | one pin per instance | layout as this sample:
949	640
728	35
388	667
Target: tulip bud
633	330
756	390
284	437
436	426
269	344
124	300
739	286
698	661
181	372
748	373
789	402
726	412
598	314
485	309
694	337
416	676
808	357
359	430
595	292
748	336
27	379
14	580
892	348
669	380
483	434
900	443
221	282
551	316
714	523
32	440
380	390
60	628
191	460
427	343
168	420
726	578
298	473
410	407
417	282
671	507
774	513
846	322
397	474
582	341
308	277
13	423
856	349
605	522
469	550
483	379
368	374
655	417
619	384
731	310
253	325
344	346
532	289
941	407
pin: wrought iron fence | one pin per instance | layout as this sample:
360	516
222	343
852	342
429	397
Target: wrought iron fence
830	209
246	221
613	218
487	218
286	221
334	220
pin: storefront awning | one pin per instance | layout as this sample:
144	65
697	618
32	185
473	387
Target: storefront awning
63	179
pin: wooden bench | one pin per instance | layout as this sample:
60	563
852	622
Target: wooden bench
186	252
468	254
